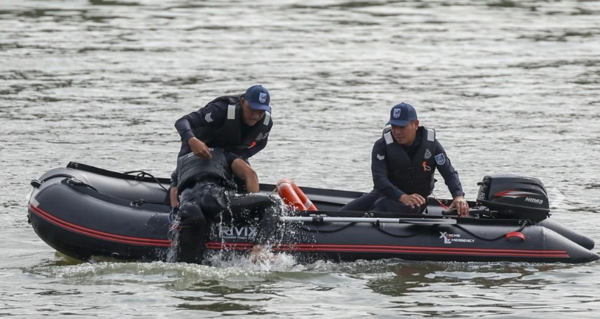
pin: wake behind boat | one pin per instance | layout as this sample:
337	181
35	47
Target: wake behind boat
84	211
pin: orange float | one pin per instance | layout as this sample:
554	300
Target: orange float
293	196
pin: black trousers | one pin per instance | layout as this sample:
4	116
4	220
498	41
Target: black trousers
198	205
376	202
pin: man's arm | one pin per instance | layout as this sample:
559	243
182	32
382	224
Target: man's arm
380	172
173	197
212	115
173	191
448	172
451	179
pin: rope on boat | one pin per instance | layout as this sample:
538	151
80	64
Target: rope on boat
374	221
524	224
141	174
376	225
306	228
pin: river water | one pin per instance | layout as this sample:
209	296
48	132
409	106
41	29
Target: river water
510	86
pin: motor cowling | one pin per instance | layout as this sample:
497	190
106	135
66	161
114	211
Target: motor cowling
514	196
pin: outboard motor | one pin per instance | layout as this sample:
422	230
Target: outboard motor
514	196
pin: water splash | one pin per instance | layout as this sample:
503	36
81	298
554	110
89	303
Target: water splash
173	236
270	233
264	261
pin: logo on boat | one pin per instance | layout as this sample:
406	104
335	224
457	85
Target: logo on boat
534	200
245	232
454	238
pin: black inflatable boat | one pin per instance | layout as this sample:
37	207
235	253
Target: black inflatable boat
84	211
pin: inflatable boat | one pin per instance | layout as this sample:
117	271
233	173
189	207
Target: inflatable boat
84	211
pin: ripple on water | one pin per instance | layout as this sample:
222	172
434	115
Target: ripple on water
509	85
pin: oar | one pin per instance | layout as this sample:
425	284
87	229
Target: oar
419	221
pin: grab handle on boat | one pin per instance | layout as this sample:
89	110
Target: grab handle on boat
515	234
35	183
77	182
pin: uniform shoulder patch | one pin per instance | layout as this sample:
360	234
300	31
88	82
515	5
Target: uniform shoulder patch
207	118
380	157
440	159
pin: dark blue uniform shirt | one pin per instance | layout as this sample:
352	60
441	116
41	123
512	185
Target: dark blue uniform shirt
213	115
389	190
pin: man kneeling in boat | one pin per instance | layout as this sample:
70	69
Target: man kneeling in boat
204	187
403	163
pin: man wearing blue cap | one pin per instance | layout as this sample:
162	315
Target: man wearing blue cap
235	127
403	163
240	124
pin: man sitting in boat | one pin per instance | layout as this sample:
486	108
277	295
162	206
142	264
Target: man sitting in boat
403	163
205	187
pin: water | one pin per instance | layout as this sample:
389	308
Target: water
510	86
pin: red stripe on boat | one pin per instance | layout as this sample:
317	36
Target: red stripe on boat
307	247
96	233
399	249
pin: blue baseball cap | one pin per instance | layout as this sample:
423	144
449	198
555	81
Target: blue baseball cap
258	97
401	114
